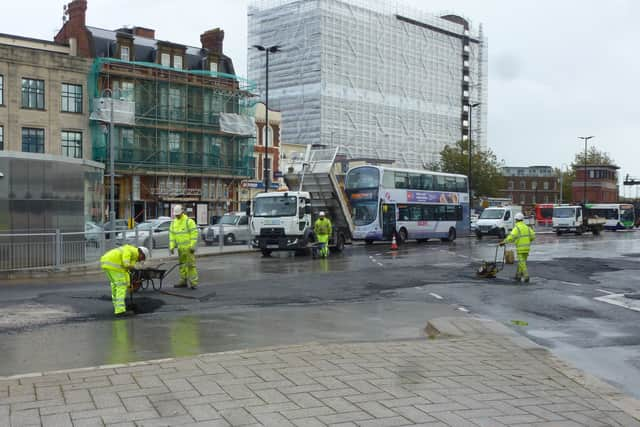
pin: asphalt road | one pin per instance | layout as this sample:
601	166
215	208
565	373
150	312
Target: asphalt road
574	305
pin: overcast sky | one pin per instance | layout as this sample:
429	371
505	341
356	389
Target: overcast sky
557	69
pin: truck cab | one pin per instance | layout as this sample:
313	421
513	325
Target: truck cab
281	221
575	219
496	221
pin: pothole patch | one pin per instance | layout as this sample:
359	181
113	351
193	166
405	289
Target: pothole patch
25	315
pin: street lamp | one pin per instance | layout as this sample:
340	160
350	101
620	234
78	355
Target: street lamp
471	107
585	139
266	50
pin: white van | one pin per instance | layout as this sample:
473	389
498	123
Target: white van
497	221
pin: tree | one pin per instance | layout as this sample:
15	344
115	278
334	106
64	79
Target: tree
594	157
566	179
486	178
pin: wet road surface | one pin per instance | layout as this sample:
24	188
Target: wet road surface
366	293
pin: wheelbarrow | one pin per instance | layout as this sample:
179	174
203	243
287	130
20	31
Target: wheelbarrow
315	249
142	278
490	269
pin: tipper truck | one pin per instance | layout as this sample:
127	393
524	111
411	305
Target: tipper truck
576	219
283	220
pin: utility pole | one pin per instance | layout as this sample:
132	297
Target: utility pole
471	107
585	139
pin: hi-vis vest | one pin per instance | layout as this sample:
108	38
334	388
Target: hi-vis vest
522	235
183	233
119	259
322	226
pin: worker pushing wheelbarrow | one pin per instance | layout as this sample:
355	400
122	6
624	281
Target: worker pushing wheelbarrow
490	269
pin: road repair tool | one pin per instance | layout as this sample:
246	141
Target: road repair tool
489	269
509	256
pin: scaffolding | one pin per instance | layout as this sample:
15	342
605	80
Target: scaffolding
177	119
384	80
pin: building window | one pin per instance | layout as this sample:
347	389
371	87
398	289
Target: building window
165	59
33	94
124	53
124	90
71	98
32	140
523	185
545	185
126	147
1	137
177	62
213	66
1	89
510	185
72	144
534	185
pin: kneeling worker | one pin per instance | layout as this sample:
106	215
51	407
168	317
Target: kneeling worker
116	264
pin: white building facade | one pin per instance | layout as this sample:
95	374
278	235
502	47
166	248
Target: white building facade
384	82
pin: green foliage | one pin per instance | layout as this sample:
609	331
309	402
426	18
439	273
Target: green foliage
486	179
594	157
566	178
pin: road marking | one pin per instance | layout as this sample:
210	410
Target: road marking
571	283
435	295
605	292
381	265
371	256
379	254
621	301
463	309
463	256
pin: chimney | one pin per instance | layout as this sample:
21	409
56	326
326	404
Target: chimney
147	33
77	10
212	40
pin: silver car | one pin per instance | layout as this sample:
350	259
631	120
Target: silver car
235	228
153	233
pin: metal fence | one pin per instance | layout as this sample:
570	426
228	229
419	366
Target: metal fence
24	251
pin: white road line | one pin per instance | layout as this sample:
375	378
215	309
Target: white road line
371	256
463	309
605	292
379	254
571	283
381	265
435	295
463	256
620	300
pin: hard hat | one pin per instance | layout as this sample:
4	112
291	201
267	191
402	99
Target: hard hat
519	216
321	213
144	251
178	210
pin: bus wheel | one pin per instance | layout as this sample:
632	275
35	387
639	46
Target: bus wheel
368	242
402	236
451	236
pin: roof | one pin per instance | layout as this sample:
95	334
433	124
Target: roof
145	49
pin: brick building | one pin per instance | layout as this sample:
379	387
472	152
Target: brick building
191	140
602	184
527	186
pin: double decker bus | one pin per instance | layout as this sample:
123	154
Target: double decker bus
544	214
619	216
411	204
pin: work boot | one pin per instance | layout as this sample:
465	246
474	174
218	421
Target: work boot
180	285
526	279
517	278
193	287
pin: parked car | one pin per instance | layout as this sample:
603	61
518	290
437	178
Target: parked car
93	234
235	228
153	233
120	225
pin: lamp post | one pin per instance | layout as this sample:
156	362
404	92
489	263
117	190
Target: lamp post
266	50
585	139
471	107
112	175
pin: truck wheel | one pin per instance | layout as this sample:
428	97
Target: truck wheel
502	233
266	253
478	235
579	231
368	242
558	233
339	247
596	231
230	239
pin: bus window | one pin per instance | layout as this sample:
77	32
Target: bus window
450	183
440	185
414	180
365	177
402	180
427	182
429	212
403	212
415	213
461	185
388	179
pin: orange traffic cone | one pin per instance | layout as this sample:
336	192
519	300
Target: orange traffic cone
394	244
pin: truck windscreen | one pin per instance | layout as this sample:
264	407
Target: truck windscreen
274	206
564	212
